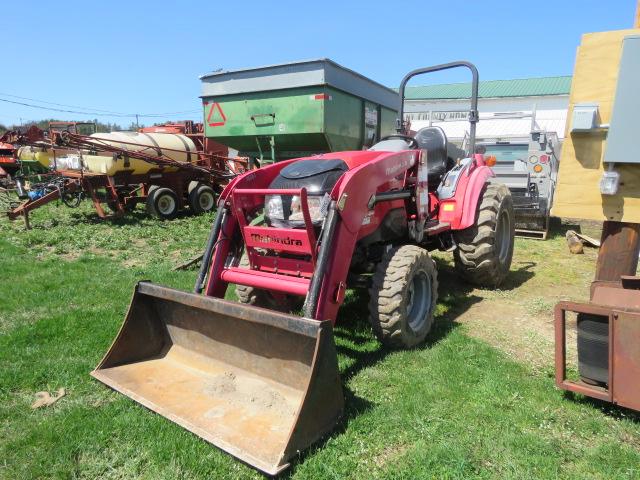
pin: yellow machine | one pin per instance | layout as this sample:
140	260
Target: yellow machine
584	153
174	146
159	143
599	179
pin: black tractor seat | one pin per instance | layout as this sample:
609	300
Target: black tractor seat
439	158
441	155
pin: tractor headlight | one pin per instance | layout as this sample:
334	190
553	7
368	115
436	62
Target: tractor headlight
288	212
317	208
273	207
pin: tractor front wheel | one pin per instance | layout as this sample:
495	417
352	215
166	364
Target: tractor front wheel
484	252
404	294
263	298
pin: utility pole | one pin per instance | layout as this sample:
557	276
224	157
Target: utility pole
138	124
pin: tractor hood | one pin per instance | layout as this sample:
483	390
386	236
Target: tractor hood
317	176
309	168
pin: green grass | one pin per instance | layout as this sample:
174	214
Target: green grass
454	408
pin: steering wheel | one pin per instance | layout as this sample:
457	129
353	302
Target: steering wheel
413	143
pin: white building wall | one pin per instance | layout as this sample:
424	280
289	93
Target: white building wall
499	117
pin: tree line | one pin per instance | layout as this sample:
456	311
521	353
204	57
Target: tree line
44	125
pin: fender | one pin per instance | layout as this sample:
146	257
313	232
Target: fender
466	197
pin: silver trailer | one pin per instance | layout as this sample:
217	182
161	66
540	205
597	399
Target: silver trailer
529	167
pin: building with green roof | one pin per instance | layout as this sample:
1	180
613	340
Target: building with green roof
506	106
521	87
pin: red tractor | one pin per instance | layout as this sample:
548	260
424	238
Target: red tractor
302	231
312	227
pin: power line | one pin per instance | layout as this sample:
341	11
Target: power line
184	112
96	113
61	110
61	104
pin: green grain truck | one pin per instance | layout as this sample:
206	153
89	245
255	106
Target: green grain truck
296	109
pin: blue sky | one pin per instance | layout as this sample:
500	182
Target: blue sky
146	56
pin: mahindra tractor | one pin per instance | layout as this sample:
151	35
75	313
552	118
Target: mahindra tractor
262	382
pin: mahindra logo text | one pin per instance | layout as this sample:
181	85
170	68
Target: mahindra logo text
403	164
256	237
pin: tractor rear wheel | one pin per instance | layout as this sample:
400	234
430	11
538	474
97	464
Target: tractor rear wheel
262	298
404	294
484	252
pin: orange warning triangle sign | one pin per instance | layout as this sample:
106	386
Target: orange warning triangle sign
216	117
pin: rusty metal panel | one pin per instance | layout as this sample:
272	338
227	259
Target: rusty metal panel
561	350
618	298
626	359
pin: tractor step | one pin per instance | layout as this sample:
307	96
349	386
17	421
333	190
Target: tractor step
436	228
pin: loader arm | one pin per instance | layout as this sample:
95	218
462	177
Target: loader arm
352	195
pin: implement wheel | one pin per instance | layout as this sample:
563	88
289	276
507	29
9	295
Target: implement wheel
163	203
202	199
484	252
403	299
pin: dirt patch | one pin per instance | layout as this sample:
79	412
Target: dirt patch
518	319
389	454
631	440
132	262
139	242
99	251
524	332
251	393
69	256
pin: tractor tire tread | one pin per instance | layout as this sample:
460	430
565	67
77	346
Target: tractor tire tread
386	304
476	257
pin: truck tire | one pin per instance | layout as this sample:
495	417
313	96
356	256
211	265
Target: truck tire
403	297
164	203
485	250
262	298
593	348
202	199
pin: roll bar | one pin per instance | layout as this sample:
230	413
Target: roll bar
473	113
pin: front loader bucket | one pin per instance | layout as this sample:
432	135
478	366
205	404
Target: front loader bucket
258	384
